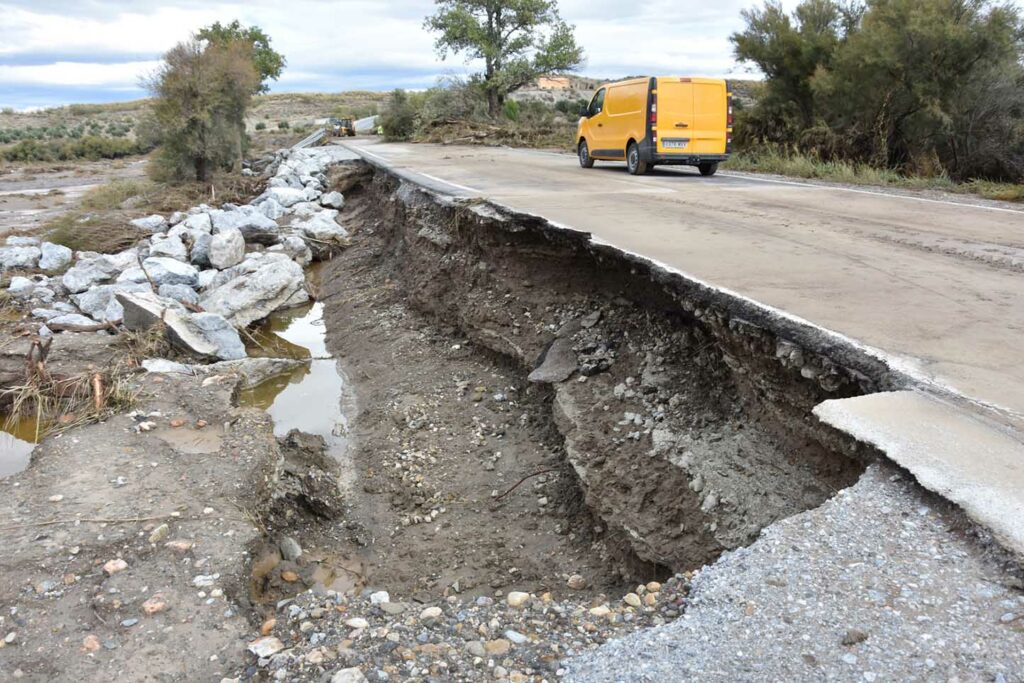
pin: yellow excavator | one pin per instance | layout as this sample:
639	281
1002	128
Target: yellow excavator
341	127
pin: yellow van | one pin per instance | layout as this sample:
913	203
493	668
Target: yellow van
658	120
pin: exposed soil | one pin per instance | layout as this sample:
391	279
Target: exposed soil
677	435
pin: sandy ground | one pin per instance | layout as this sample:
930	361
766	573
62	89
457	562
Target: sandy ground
33	194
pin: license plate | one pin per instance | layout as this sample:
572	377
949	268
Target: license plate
675	144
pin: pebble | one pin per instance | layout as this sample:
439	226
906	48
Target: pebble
128	623
431	615
517	599
653	587
179	546
351	675
632	599
516	637
90	644
379	598
160	533
290	549
11	637
576	582
357	622
266	646
600	611
854	636
114	566
56	499
499	646
267	626
154	605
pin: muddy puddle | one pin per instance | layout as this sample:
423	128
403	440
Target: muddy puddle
313	398
18	438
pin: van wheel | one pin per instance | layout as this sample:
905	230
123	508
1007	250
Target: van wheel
708	169
634	163
584	153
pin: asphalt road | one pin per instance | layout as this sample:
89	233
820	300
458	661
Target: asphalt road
935	282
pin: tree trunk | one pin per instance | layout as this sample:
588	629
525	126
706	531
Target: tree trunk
201	169
492	103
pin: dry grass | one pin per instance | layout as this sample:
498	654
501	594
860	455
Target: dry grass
801	166
559	135
57	404
100	223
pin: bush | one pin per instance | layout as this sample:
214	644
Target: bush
283	125
89	147
512	110
398	118
261	126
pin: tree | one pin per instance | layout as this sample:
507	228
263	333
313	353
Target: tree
518	40
932	85
268	63
788	50
201	93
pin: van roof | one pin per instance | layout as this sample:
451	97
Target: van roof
644	79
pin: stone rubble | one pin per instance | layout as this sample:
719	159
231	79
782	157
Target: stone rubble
193	266
326	635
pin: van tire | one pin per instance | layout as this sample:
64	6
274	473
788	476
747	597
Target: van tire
583	151
634	163
708	169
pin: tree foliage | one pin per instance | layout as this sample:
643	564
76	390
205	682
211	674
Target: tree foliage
927	86
268	63
518	40
201	93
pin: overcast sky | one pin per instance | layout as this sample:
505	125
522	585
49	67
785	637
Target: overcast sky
62	51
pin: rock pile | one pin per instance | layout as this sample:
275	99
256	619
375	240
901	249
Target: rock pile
207	272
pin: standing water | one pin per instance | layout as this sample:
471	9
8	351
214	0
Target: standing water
18	438
310	398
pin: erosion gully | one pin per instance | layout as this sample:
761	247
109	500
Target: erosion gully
533	406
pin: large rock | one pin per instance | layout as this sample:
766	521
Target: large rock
251	371
295	247
21	287
180	293
199	221
205	334
169	271
558	364
84	275
22	241
150	224
72	319
271	208
19	256
333	200
286	196
250	297
201	248
54	257
100	302
227	248
324	227
170	246
254	226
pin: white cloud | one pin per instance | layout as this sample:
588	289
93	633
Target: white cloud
123	76
338	44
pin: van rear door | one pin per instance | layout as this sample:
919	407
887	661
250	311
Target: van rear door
675	114
710	110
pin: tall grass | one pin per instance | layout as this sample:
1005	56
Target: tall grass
802	166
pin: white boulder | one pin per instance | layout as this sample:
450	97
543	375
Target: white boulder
54	257
227	248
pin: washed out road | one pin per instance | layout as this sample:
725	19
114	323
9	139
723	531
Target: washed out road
935	283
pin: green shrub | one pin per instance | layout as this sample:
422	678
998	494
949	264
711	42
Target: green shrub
283	125
512	110
398	118
261	126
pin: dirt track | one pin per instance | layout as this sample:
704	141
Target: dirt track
933	282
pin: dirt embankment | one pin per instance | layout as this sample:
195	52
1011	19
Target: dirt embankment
686	429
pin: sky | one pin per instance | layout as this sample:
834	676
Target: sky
55	52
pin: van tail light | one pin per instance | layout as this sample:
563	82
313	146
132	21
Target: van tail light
654	108
728	104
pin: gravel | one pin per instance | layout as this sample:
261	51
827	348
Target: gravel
883	582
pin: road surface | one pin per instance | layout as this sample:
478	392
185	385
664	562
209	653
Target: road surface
936	284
